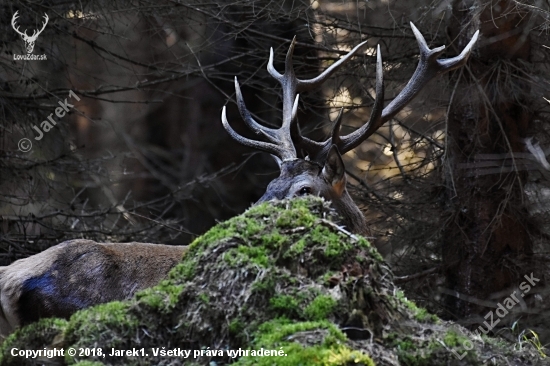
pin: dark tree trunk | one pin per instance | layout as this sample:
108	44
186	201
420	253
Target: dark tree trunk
487	233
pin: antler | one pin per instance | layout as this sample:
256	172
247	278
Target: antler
284	141
281	142
36	33
428	67
16	28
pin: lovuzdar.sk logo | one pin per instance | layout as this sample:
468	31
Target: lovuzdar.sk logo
29	40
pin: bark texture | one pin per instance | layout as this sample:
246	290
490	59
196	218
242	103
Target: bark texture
487	234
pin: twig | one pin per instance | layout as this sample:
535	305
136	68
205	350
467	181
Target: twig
414	276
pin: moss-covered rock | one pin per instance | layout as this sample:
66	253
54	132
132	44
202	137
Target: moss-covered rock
46	334
281	284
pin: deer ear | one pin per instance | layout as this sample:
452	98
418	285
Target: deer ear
334	171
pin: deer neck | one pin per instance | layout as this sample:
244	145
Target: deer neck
352	217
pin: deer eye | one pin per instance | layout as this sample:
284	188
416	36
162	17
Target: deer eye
304	190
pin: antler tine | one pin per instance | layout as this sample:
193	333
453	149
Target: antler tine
247	118
335	140
283	150
271	69
46	18
354	139
45	23
16	27
319	150
291	85
14	18
306	85
428	67
288	83
280	144
37	32
309	84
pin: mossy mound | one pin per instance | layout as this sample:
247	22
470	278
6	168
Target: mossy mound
45	334
282	278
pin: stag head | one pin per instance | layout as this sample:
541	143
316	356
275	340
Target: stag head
29	40
322	173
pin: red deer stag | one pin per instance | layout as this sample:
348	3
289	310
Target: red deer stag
322	173
80	273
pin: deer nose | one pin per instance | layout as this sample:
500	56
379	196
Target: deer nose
266	197
270	195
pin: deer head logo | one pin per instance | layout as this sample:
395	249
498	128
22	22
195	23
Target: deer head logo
29	40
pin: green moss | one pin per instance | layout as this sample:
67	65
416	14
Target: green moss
412	353
96	325
285	304
332	350
320	308
363	243
256	255
423	315
243	254
336	244
274	240
184	270
43	334
236	327
266	285
112	313
204	298
295	354
238	226
372	251
277	259
278	329
253	227
419	314
453	339
405	344
299	216
344	356
430	349
162	297
263	210
296	249
327	278
259	245
217	233
234	258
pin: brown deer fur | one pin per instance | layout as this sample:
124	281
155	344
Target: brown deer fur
77	274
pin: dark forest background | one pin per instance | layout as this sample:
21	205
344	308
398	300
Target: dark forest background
455	188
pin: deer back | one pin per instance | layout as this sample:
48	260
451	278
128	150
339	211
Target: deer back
77	274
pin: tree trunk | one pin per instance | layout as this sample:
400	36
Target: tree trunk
487	233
